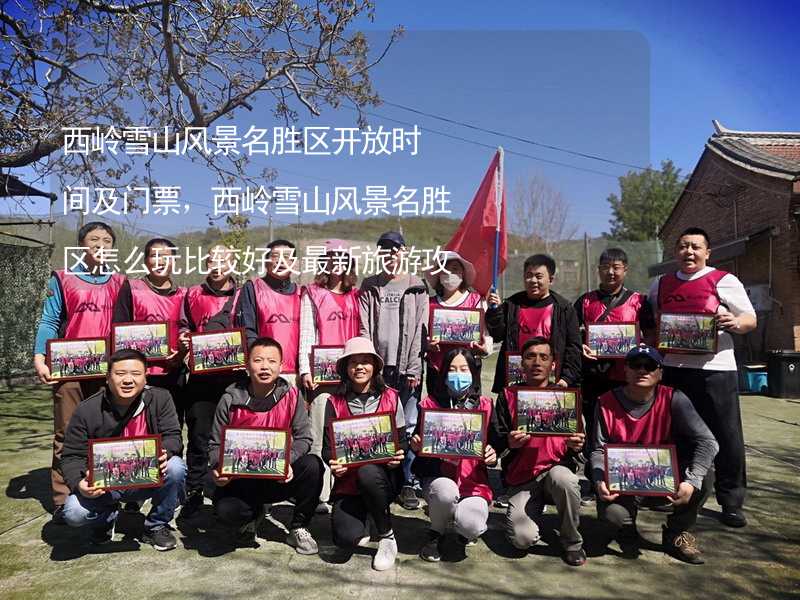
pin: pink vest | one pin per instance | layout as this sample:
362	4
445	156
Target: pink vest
278	417
696	296
137	426
89	307
347	484
335	325
473	300
203	306
538	455
279	318
627	312
652	428
534	322
148	306
472	476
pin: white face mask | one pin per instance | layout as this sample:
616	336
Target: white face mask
450	281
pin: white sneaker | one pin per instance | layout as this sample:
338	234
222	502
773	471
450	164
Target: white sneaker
302	541
323	508
386	554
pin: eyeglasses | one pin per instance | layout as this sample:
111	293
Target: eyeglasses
647	365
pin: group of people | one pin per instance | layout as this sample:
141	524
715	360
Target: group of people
254	460
552	418
364	446
85	364
641	476
121	471
644	399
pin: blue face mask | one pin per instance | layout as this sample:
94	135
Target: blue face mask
459	382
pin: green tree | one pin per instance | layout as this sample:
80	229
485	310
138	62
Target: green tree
645	201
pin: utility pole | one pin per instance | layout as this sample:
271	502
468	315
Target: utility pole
586	260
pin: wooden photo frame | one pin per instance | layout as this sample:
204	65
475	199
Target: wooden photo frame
454	326
253	452
551	411
612	340
77	359
635	470
453	434
125	463
687	333
216	351
364	439
151	338
323	364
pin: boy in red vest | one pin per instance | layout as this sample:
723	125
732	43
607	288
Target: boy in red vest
267	401
78	304
646	413
125	408
710	380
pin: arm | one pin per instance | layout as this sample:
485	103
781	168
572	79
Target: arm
168	425
185	322
597	442
74	456
421	306
400	425
365	304
221	419
692	434
496	321
488	341
246	314
502	424
52	317
123	307
647	322
301	431
330	415
308	334
573	348
742	316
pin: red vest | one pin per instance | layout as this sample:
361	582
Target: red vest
652	428
137	426
89	307
696	296
279	318
203	306
593	309
148	306
337	316
347	484
278	417
472	476
538	455
473	300
534	322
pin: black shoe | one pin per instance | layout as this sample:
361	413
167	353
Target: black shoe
628	539
131	508
681	545
408	499
574	558
733	517
58	516
192	504
432	550
101	535
161	539
501	501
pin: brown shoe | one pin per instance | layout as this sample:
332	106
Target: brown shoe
681	545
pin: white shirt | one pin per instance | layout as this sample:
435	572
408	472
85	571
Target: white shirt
733	296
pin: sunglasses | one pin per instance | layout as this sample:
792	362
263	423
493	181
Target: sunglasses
647	365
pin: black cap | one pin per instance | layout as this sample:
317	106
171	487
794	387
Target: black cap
391	239
643	350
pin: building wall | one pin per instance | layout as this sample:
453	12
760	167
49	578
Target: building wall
760	202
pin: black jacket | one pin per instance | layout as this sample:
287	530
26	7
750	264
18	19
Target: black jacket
96	418
503	324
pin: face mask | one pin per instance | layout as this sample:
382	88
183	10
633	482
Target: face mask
450	281
458	382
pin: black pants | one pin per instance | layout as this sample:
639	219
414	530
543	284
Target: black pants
377	489
623	511
715	397
241	500
175	384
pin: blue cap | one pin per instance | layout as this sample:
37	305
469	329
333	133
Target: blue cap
643	350
391	239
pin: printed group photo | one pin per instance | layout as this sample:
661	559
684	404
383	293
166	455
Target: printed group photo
548	412
453	433
78	359
641	471
460	326
125	463
690	333
217	351
363	439
151	339
254	452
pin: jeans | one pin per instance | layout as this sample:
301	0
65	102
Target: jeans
101	512
409	398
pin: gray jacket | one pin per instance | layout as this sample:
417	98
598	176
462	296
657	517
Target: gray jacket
237	394
414	308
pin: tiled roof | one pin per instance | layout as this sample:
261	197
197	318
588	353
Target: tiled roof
772	153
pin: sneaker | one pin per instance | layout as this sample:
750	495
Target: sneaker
574	558
161	539
131	508
732	517
467	543
588	498
501	501
432	551
58	516
302	541
101	535
386	554
681	545
628	539
408	498
323	508
192	504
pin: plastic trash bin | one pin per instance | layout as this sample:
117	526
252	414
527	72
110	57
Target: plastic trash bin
783	368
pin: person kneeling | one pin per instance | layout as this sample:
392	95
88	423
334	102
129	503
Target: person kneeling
267	401
539	468
124	408
370	489
457	491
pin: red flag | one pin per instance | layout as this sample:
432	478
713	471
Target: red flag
475	237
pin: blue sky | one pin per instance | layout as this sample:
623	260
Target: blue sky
635	82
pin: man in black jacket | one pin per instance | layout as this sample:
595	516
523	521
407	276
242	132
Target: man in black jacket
124	408
536	312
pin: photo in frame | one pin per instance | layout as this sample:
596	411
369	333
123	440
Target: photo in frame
323	364
362	439
548	411
612	340
641	470
687	333
149	338
125	463
456	326
514	373
217	351
76	359
453	434
253	452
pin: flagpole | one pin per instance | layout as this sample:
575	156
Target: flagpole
498	200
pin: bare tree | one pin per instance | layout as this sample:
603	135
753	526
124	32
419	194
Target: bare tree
541	213
170	64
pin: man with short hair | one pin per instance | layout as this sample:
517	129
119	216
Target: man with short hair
710	380
124	408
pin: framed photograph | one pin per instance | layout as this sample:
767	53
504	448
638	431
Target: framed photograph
456	326
323	364
364	439
612	340
125	463
150	338
514	372
82	358
217	351
642	470
548	411
687	333
453	434
253	452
